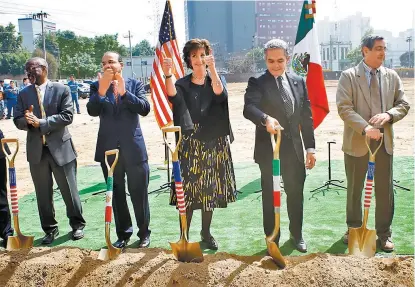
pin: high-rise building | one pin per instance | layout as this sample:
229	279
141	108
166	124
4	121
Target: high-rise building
228	25
237	26
277	19
31	29
350	29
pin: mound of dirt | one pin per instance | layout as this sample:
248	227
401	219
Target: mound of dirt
62	266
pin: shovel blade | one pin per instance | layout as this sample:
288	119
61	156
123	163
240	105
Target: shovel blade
109	254
275	253
185	251
362	242
19	242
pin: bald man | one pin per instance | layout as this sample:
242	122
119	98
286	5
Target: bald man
44	110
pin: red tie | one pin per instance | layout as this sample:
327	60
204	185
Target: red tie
115	91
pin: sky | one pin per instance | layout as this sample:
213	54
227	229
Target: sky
97	17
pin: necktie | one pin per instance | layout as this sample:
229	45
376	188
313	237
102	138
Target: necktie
42	110
375	100
288	104
115	91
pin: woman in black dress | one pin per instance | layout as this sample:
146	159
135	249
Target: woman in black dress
200	107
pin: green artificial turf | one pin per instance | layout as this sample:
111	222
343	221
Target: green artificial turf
238	228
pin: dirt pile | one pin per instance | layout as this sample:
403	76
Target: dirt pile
156	267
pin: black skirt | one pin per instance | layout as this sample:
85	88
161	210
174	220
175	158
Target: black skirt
207	172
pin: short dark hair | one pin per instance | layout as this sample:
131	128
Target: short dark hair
118	55
24	79
369	41
192	45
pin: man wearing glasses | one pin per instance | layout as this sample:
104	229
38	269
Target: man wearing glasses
44	110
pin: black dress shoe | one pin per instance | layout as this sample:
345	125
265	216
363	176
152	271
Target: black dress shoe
209	241
50	237
299	244
77	234
121	243
144	242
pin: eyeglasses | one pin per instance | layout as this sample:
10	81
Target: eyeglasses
33	68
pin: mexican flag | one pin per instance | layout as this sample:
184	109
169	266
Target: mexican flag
306	62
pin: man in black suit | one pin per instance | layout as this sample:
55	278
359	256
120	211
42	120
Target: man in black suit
118	102
275	99
44	110
6	229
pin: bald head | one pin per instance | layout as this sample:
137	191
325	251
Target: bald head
112	60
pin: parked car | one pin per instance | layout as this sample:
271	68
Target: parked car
147	88
83	90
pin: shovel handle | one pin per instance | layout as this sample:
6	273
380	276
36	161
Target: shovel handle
179	188
369	184
276	179
373	154
276	144
13	191
112	167
108	200
110	183
13	156
276	173
174	151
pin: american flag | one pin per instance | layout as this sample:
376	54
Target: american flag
168	44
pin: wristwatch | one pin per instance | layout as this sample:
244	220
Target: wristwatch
264	119
169	76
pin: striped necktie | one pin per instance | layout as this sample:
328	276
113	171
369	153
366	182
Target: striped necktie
288	104
42	110
115	91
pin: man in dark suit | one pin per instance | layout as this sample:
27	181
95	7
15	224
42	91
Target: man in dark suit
280	99
118	102
6	229
44	110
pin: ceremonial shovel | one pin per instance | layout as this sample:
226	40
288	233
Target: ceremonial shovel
112	252
183	250
362	241
272	247
19	241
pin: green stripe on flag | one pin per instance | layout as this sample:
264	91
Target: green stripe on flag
305	25
275	167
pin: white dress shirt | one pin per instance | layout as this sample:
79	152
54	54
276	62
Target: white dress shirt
42	88
287	87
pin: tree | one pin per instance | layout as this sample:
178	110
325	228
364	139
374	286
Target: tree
51	44
143	49
239	64
355	55
407	59
256	58
13	63
9	40
12	56
82	65
52	63
107	43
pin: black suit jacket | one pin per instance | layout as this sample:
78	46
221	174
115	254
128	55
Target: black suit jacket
214	120
57	103
262	97
119	125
